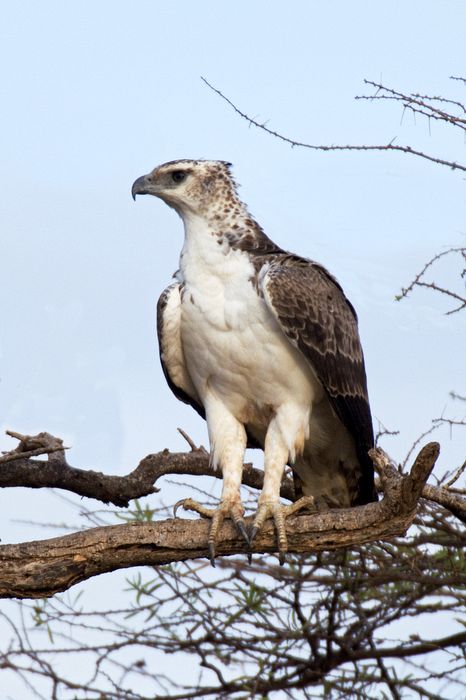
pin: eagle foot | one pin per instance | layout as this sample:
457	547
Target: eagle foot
279	512
231	508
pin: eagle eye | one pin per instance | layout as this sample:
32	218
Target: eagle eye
178	176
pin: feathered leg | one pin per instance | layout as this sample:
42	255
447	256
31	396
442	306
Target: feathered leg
227	445
284	436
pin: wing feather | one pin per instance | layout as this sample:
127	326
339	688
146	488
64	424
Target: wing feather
315	315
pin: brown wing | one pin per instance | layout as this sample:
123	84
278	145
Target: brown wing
315	315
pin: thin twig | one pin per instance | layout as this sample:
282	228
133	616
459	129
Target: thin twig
292	142
418	282
418	104
456	475
13	455
189	440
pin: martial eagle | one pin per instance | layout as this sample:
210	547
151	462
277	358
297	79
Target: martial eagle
264	345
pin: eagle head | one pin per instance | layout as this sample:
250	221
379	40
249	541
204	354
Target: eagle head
189	186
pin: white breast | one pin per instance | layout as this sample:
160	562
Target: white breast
233	346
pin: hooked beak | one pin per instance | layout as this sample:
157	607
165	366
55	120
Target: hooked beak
140	186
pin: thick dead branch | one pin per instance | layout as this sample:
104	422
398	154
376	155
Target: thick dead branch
120	490
413	484
453	502
18	469
40	569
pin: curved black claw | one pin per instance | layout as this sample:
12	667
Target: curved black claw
212	553
227	509
278	513
177	505
189	504
241	527
252	533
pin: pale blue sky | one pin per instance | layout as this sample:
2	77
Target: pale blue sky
94	94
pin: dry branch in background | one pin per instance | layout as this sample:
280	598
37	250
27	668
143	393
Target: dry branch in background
19	469
391	146
120	490
426	105
419	280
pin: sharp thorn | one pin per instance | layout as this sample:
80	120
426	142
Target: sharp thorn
249	556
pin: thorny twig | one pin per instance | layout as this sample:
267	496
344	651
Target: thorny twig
454	165
419	282
418	104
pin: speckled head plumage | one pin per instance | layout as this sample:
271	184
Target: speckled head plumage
198	187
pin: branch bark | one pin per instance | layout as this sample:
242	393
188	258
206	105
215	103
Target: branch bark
18	470
42	568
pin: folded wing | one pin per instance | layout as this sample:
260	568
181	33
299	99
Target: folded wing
318	319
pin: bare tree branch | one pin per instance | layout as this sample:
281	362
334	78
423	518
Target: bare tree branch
33	446
301	144
455	503
40	569
120	490
418	104
19	469
419	282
